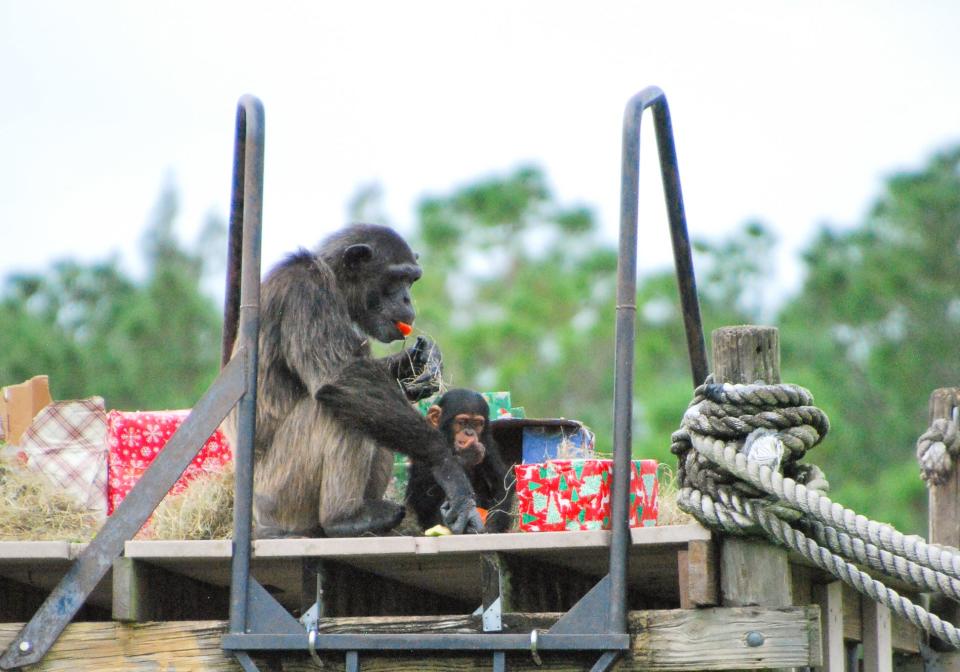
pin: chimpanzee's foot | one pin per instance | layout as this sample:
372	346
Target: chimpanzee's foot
266	525
374	517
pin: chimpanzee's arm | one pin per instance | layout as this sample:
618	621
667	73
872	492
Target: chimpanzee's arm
364	397
495	473
423	495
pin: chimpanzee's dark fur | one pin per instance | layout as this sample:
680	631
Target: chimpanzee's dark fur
488	478
327	414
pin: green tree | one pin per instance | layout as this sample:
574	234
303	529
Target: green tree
875	330
516	290
519	290
149	344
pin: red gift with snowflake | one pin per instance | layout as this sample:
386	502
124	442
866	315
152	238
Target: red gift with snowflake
134	438
560	495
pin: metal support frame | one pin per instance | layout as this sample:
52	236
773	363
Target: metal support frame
598	622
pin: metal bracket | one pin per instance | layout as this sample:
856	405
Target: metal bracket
590	614
606	661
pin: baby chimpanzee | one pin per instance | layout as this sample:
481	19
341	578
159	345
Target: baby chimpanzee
462	416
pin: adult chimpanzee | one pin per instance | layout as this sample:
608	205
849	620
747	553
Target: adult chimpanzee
462	416
327	413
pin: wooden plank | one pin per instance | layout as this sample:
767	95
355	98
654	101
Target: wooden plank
198	549
720	638
829	597
683	578
35	550
466	543
877	639
701	574
754	572
906	636
704	639
802	583
447	565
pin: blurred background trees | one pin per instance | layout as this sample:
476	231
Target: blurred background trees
148	343
519	291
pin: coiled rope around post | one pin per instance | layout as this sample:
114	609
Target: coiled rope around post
738	450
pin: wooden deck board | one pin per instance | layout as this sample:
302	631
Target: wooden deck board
445	565
703	639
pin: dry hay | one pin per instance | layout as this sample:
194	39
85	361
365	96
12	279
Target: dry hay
32	508
202	510
669	512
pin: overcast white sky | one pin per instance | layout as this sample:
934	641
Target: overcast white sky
792	112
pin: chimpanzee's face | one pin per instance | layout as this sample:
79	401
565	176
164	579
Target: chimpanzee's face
376	275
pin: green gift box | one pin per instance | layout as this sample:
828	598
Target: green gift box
499	402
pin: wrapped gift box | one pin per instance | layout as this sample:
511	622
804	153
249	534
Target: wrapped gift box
135	438
66	442
575	494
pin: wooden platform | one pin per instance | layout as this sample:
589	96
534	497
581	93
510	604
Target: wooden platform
439	566
434	582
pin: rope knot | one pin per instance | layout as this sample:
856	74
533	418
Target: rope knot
937	450
770	425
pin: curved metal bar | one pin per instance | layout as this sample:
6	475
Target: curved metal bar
231	297
626	315
248	179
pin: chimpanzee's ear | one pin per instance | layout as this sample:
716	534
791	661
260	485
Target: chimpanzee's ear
355	255
433	415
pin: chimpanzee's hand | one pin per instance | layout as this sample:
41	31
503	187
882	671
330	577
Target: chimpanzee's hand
459	512
426	363
462	517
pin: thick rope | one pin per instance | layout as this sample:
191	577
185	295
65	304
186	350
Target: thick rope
733	444
937	450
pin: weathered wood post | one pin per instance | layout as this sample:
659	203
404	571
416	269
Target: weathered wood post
944	500
943	514
752	572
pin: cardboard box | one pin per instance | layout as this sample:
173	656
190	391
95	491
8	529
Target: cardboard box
535	440
556	442
19	405
575	494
